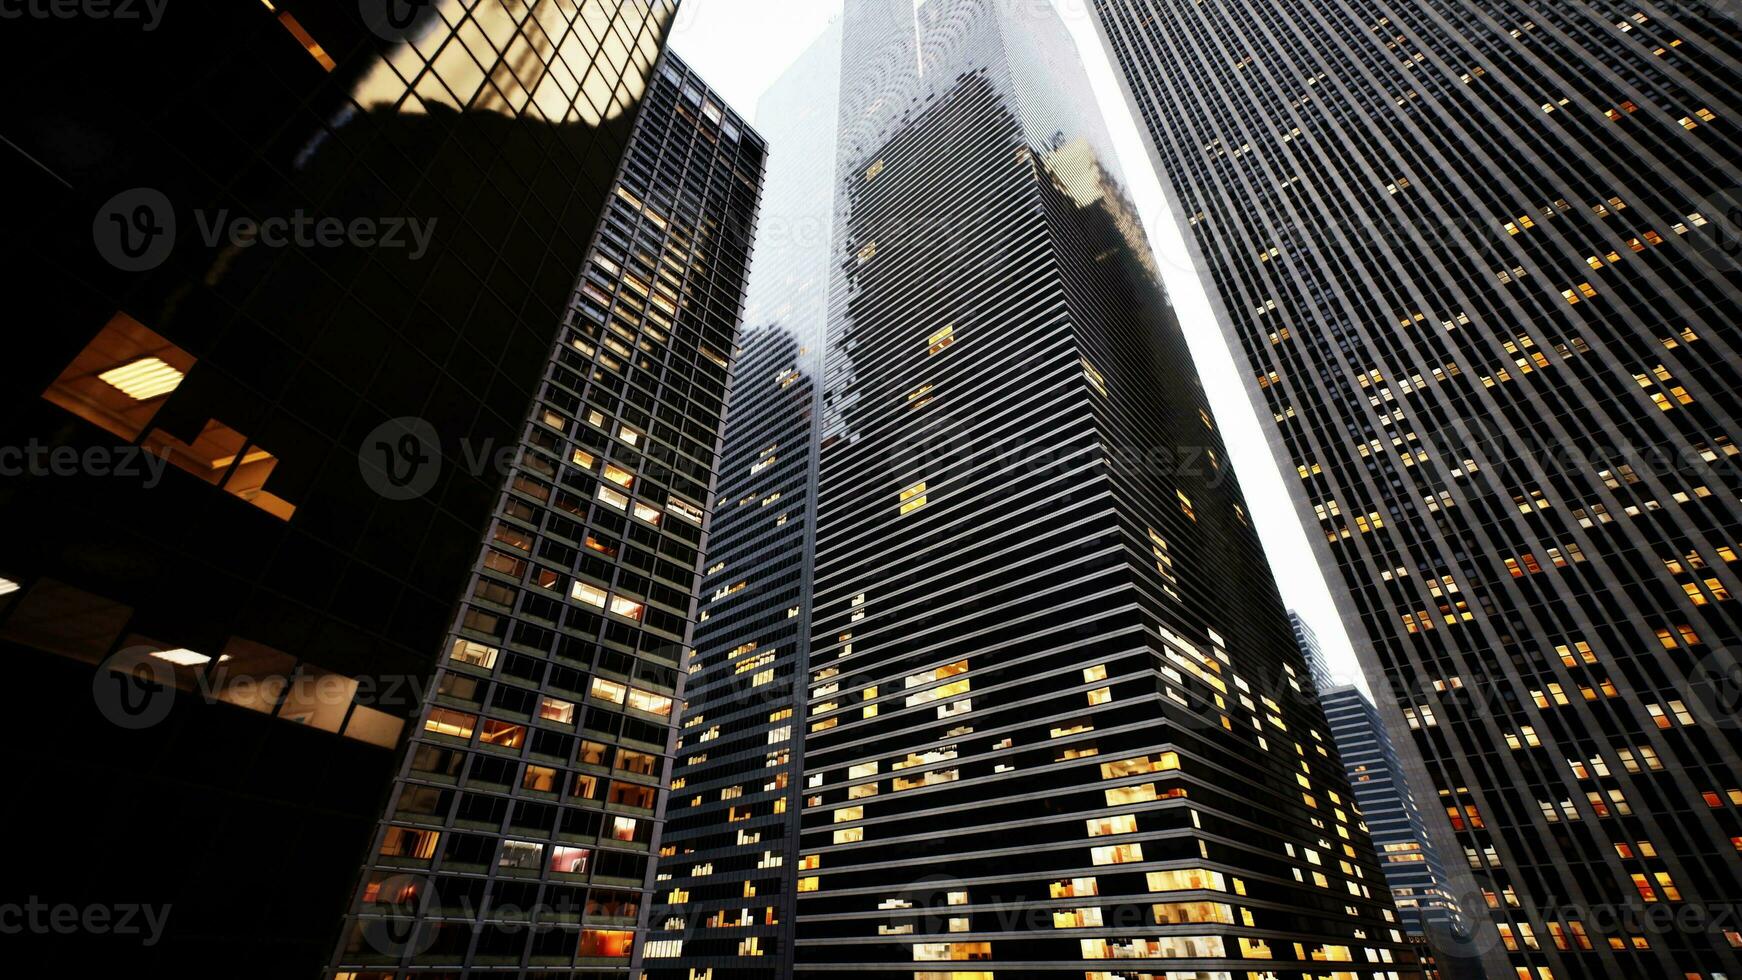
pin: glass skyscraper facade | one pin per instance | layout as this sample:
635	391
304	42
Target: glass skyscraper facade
726	899
260	243
1034	735
528	805
1407	855
1480	260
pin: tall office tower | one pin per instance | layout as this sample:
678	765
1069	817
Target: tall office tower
250	237
1407	854
725	899
1037	732
1308	642
529	802
1479	258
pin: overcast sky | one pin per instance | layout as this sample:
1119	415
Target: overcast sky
742	46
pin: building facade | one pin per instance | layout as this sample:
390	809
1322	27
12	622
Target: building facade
1480	259
726	900
521	827
1033	737
259	240
1407	855
1308	641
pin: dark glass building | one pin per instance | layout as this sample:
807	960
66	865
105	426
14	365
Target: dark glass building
247	240
1480	259
726	899
528	805
1045	727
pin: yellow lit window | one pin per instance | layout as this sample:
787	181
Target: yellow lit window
941	339
913	498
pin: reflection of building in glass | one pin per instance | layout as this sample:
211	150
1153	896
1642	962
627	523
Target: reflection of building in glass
1051	720
247	239
534	777
725	899
1480	261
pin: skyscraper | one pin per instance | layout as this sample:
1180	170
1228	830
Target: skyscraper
1308	641
1042	728
521	828
1407	854
726	898
1424	892
1480	261
251	238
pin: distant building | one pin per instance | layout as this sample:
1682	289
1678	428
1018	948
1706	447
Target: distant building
1407	855
1308	641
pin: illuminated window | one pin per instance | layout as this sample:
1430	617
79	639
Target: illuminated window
610	691
913	498
1187	879
503	734
605	944
554	709
477	654
446	721
1095	378
1124	823
942	339
307	40
405	842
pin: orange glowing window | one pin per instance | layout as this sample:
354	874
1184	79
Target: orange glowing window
307	40
407	842
446	721
121	378
223	456
605	943
504	734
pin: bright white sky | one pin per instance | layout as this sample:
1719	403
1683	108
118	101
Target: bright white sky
742	46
